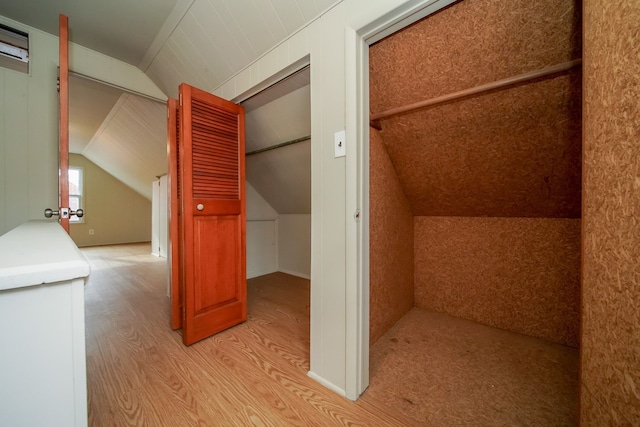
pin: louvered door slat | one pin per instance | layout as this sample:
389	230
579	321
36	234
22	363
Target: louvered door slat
175	223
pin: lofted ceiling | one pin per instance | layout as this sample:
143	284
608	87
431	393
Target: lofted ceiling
202	43
89	105
513	152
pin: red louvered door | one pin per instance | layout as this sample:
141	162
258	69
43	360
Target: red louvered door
175	216
212	180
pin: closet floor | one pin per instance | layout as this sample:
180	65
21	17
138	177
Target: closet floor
444	371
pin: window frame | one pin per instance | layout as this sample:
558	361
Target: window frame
73	219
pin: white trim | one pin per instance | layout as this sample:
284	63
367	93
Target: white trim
294	273
273	79
397	19
276	230
357	263
327	384
357	181
253	274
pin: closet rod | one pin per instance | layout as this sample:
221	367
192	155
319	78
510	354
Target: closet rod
273	147
499	84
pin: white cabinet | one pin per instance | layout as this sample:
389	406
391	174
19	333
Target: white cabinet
42	344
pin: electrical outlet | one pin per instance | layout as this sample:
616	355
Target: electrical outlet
339	141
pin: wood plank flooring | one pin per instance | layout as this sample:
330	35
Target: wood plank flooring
428	370
140	374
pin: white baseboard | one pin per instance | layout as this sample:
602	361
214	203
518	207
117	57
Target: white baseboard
295	273
331	386
252	274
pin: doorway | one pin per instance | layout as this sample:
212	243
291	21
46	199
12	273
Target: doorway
117	139
467	192
278	170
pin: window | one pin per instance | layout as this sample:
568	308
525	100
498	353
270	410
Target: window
75	191
14	49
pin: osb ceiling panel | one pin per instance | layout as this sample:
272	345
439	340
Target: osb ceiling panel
514	152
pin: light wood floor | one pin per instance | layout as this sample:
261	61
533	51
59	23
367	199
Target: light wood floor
139	373
428	370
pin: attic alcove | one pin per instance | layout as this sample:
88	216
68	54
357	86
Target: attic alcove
475	204
118	138
279	178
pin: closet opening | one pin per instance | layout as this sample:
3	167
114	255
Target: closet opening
278	170
475	214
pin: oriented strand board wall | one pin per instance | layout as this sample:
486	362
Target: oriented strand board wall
610	389
470	43
513	152
494	180
391	244
521	274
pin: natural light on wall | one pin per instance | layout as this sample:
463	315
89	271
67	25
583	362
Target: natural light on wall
75	192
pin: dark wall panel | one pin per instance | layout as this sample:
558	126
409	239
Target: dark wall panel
520	274
391	244
514	152
611	278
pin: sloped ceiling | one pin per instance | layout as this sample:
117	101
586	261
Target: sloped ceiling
126	135
280	114
215	40
514	152
199	42
131	143
89	105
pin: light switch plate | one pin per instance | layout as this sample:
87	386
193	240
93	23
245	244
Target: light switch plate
339	144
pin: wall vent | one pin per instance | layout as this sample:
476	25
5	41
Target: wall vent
14	49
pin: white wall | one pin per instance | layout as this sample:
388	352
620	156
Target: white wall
334	362
29	122
29	134
262	246
294	245
104	195
323	43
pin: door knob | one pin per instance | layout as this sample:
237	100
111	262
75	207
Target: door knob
48	213
66	212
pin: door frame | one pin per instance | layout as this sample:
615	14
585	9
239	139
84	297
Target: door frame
63	111
357	41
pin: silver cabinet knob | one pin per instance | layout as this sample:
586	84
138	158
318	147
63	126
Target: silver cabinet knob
200	206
